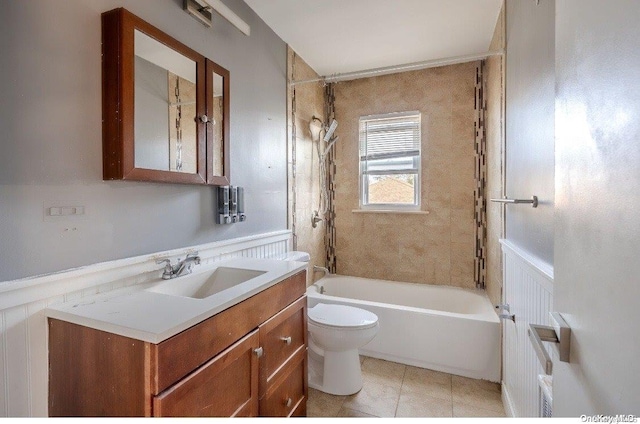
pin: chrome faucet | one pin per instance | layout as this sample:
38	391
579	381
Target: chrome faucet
181	268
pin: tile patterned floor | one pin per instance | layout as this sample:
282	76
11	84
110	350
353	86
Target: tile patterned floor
396	390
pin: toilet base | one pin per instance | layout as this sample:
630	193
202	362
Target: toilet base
336	373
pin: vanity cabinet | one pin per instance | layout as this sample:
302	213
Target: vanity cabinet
165	107
248	360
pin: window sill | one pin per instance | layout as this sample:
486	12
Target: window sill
393	211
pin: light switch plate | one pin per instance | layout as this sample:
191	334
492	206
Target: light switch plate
64	209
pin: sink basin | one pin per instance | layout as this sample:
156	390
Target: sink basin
205	284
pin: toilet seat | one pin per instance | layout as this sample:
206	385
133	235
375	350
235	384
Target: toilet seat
341	316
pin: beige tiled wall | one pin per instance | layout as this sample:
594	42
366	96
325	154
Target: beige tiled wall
309	102
433	248
494	83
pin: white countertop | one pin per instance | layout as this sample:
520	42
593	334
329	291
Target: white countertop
154	317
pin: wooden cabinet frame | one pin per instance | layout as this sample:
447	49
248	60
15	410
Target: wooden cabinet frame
118	107
211	69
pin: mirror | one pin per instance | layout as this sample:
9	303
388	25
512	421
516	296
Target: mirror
218	127
218	113
165	107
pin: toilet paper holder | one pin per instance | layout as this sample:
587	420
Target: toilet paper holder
559	333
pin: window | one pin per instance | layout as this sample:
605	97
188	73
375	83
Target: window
390	161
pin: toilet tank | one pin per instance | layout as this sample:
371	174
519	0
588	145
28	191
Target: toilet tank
298	256
295	256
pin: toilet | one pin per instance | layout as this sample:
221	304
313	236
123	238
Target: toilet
336	332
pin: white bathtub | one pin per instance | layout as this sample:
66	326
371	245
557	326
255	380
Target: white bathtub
436	327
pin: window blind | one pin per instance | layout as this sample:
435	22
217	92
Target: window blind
387	138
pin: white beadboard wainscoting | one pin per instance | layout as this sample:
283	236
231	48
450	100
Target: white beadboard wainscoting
528	289
23	337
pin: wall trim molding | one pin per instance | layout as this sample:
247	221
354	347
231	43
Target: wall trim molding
31	289
23	325
507	402
528	289
536	264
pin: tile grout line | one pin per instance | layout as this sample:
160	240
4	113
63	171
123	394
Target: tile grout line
451	394
404	374
341	405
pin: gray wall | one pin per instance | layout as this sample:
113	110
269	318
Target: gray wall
530	124
50	121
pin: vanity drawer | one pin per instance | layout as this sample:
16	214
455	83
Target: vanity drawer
281	337
181	354
287	396
226	386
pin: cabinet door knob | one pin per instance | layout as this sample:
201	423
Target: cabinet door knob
259	352
205	120
288	402
286	340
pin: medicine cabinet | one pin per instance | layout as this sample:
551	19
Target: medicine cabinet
165	107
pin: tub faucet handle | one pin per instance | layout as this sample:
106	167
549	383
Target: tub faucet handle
503	307
319	287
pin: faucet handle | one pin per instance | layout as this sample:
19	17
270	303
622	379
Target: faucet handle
193	255
167	272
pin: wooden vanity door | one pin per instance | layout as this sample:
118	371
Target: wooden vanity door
225	386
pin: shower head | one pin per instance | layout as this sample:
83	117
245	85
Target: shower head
330	131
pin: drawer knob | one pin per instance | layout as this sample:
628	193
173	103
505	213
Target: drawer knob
288	402
286	340
259	352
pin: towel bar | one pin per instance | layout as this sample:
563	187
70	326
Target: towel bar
533	201
559	333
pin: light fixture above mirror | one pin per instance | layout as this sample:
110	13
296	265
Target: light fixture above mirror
201	10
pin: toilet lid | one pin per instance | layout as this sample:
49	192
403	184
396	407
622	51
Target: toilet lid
342	316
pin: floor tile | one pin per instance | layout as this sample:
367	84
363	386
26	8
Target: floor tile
427	383
346	412
392	389
383	372
375	398
462	410
417	405
322	404
479	393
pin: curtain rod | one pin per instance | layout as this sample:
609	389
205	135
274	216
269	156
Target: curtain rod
397	68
